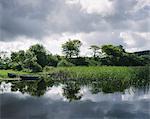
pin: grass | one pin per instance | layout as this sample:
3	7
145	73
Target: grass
4	73
99	73
90	73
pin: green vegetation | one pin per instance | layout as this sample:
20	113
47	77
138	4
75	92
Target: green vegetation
92	73
95	49
71	48
111	67
4	73
36	57
98	79
99	73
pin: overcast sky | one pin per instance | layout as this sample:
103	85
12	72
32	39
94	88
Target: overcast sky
52	22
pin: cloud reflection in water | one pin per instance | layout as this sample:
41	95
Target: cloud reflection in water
53	105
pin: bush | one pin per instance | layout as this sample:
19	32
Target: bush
27	70
65	63
48	68
16	66
79	61
36	68
52	60
92	62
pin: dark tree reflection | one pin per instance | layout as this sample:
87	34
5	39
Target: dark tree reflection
71	91
34	88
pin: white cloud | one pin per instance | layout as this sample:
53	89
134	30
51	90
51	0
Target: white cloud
136	41
52	43
132	41
102	7
22	43
141	4
71	1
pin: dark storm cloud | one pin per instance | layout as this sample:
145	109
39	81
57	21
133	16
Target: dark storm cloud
23	19
38	18
41	18
126	18
14	106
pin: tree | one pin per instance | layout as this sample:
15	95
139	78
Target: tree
111	50
95	50
114	54
52	60
31	63
71	48
18	57
40	53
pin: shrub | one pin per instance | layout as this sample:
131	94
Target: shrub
27	70
92	62
79	61
17	67
36	68
64	62
52	60
48	68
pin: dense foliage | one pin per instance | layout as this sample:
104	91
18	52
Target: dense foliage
36	57
71	48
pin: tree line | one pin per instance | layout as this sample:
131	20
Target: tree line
36	58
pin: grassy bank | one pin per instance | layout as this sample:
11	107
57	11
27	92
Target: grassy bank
4	73
99	73
89	73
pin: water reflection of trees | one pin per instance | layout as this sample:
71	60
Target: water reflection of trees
109	86
71	89
34	88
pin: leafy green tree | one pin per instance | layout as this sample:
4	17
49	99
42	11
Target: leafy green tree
31	62
32	65
52	60
111	50
40	53
71	48
5	63
95	50
16	66
18	57
114	54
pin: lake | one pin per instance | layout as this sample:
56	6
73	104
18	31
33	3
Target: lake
72	100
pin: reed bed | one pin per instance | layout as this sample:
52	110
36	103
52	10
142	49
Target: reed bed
99	73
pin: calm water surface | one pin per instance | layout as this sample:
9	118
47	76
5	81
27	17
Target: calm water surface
71	101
